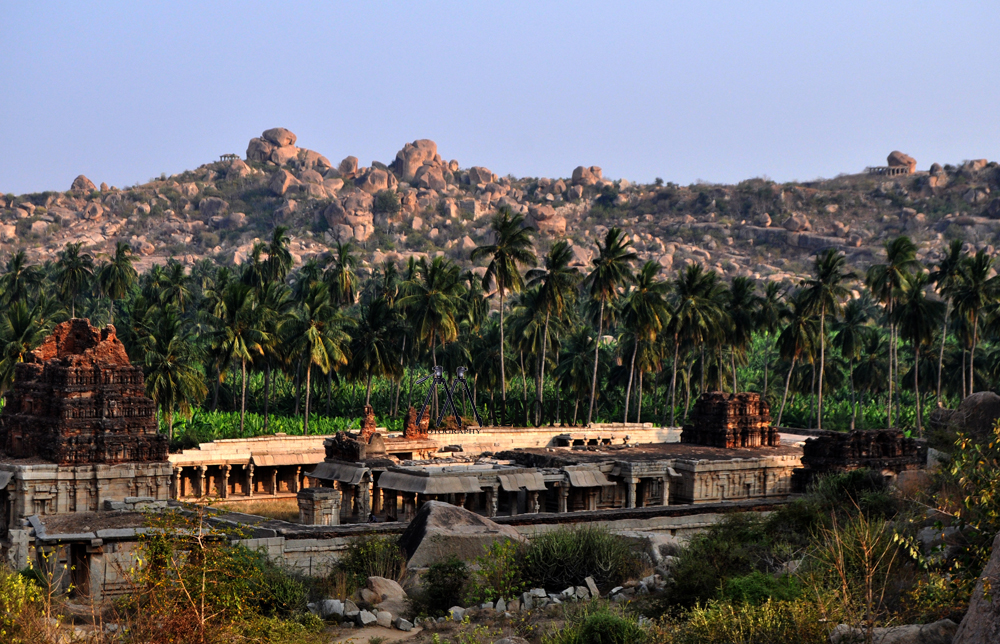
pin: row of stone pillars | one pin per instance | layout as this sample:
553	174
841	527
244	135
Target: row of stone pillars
223	487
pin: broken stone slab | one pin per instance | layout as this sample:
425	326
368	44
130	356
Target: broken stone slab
457	613
592	587
366	618
383	618
331	608
501	605
403	624
582	593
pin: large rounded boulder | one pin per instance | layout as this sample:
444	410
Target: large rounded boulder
440	530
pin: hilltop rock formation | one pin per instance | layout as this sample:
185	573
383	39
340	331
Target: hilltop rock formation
413	156
83	184
897	159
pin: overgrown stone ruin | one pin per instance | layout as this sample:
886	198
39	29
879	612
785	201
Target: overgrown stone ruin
78	400
730	421
888	451
410	427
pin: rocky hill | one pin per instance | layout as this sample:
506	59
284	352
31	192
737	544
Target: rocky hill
421	204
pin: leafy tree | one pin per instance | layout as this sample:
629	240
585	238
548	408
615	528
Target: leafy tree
741	305
555	281
117	276
946	277
240	334
612	270
796	340
22	330
373	348
74	270
341	275
977	288
170	357
645	313
510	249
852	334
917	319
19	280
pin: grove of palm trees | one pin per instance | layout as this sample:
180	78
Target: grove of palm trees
267	347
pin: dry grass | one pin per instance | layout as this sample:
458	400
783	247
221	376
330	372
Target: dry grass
282	509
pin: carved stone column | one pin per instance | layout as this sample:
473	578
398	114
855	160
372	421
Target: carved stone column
665	490
178	482
250	480
534	507
224	492
564	497
460	500
298	479
630	500
491	501
202	469
274	482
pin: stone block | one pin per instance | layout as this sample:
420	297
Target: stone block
383	618
403	625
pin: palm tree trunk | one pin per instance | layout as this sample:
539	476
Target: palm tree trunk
687	391
215	387
631	370
812	391
368	393
298	386
854	403
597	351
243	393
892	340
434	362
638	395
701	386
822	364
267	393
964	374
944	335
972	354
916	385
767	360
784	397
732	357
305	417
111	309
170	425
503	373
673	381
541	360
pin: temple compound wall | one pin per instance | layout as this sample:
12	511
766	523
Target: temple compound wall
77	429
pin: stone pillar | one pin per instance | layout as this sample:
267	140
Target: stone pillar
224	491
274	481
564	497
665	490
409	505
390	504
460	500
319	506
298	479
630	500
364	497
513	503
491	501
534	507
178	482
250	480
376	499
202	469
592	493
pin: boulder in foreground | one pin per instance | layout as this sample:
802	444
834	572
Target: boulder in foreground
981	624
440	530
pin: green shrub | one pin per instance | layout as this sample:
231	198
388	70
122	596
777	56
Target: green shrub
865	490
772	622
758	587
373	556
386	203
499	573
600	626
443	587
566	557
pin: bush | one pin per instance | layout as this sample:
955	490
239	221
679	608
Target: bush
600	626
373	556
498	574
442	587
566	557
772	622
386	203
858	490
21	611
758	587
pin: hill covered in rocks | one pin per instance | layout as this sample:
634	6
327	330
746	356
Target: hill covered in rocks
419	203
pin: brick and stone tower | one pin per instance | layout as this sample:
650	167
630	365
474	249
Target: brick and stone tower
730	421
77	399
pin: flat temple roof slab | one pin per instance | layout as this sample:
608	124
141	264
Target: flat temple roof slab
562	456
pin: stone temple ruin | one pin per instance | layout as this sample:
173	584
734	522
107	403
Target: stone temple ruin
888	451
730	421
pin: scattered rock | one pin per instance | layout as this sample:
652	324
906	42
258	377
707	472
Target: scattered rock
259	151
940	632
797	223
478	175
975	415
583	176
284	155
366	618
385	588
331	608
282	182
441	529
212	206
403	625
383	618
83	184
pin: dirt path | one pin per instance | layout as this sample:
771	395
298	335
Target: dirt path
363	635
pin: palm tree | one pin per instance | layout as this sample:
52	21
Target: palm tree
573	372
279	258
432	302
741	305
373	346
275	304
19	280
884	280
555	281
341	275
917	318
74	271
976	289
612	270
825	290
316	330
175	286
696	315
511	248
22	329
771	311
239	335
644	314
946	278
796	340
169	355
853	334
117	276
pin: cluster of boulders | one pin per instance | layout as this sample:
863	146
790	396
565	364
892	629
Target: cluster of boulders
386	598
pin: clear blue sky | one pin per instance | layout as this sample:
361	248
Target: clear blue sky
718	91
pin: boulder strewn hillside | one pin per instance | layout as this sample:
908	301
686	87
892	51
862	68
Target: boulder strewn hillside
421	203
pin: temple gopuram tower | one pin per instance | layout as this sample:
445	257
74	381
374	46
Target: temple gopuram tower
77	429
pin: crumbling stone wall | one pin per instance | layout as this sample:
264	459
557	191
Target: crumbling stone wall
77	399
730	421
880	450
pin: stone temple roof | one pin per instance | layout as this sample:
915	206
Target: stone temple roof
76	343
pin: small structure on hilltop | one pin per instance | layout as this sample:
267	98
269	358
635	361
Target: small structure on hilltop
888	451
899	164
730	421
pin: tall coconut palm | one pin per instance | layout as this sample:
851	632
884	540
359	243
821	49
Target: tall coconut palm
696	315
275	305
20	279
946	277
279	258
917	319
240	336
374	352
432	301
612	270
170	357
573	373
645	314
117	276
511	249
884	280
771	312
175	286
317	332
796	340
825	292
741	305
975	290
22	329
555	281
74	270
851	336
341	275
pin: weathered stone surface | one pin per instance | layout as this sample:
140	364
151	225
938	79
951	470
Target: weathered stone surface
981	624
940	632
441	529
897	159
412	156
797	223
282	182
279	136
77	399
410	428
284	155
975	415
259	150
731	421
583	176
478	174
84	184
385	589
880	450
368	426
213	206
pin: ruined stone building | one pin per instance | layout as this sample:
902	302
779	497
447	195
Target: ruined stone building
730	421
